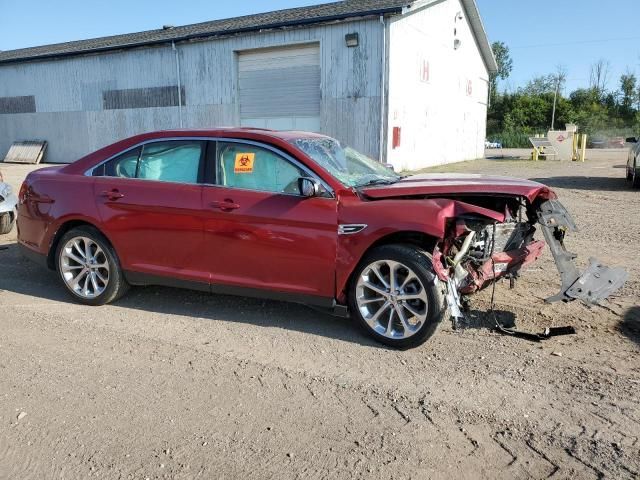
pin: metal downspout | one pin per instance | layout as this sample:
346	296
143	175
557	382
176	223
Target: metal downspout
175	51
383	79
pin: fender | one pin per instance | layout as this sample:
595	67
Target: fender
391	216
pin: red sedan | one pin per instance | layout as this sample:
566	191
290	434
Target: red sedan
293	216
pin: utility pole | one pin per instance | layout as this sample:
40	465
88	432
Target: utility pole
555	99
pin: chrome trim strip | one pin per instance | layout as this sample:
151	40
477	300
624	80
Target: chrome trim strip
351	228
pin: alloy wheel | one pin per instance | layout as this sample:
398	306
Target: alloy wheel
392	299
84	267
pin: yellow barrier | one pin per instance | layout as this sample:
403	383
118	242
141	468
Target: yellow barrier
579	147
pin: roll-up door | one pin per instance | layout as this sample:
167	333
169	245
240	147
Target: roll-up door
280	88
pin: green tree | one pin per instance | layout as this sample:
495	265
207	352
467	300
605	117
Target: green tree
599	77
628	95
590	112
513	117
505	66
540	85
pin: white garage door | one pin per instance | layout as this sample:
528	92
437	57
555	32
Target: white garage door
280	88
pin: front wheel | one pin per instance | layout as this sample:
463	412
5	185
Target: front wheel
396	297
89	267
6	223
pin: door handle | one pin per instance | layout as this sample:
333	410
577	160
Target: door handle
227	205
112	194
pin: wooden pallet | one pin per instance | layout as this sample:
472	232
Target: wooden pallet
26	152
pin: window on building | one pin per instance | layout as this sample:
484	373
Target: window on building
25	104
143	97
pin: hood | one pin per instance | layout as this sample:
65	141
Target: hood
444	184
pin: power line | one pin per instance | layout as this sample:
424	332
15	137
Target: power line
577	42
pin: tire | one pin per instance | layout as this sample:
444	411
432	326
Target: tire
635	177
6	223
423	310
103	265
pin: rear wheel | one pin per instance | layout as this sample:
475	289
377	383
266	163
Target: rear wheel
396	297
89	267
6	223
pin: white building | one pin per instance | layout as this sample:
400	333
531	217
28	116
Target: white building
403	81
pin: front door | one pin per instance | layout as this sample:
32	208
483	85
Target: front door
150	200
260	233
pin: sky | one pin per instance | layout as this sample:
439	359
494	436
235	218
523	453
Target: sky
541	34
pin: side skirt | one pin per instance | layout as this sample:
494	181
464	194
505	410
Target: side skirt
137	278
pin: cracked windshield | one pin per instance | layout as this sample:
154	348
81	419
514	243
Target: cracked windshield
351	167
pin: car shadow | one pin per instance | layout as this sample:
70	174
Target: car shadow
630	324
486	320
612	184
22	276
508	158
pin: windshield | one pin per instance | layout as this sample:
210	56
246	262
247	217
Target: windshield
350	167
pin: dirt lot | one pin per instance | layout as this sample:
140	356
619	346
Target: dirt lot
176	384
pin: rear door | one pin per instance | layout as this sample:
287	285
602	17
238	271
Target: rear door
260	233
149	199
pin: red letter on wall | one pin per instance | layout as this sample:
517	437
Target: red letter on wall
396	137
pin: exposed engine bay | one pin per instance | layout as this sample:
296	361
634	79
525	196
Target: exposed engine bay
477	251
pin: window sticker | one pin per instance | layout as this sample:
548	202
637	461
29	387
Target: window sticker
244	162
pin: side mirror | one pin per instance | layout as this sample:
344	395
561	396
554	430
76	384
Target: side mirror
631	140
308	187
389	166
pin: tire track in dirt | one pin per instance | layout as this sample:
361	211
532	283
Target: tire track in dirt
172	384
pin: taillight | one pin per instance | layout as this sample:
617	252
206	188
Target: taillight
22	196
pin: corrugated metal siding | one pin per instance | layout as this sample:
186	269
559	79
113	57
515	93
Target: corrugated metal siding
69	102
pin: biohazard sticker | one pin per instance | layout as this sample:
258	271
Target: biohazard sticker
244	162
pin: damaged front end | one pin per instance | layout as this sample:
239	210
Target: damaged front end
597	282
477	251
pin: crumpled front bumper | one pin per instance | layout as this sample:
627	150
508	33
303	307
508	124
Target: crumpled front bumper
500	265
593	285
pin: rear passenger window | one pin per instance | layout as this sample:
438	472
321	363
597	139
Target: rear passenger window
172	161
121	166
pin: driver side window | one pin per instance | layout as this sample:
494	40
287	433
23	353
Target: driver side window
254	168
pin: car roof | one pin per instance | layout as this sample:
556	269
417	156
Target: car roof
279	138
286	135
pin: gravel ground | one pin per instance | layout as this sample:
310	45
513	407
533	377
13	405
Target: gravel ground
176	384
